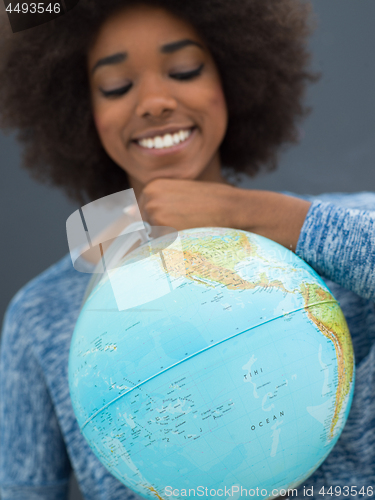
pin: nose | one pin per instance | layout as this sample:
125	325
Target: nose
154	98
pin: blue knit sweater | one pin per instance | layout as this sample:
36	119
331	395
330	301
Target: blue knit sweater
40	442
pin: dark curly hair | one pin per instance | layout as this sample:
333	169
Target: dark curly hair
259	47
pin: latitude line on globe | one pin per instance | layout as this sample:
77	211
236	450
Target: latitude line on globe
199	352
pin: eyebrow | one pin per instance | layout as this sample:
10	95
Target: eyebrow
113	59
169	48
172	47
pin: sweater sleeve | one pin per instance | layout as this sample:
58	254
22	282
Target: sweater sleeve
339	243
33	459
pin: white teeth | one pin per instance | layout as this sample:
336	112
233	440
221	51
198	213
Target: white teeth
159	143
176	138
166	141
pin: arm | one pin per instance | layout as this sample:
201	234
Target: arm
183	204
339	243
33	460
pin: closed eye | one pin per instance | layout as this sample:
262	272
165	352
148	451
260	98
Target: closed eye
116	92
187	75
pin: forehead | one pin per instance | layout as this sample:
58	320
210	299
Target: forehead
141	25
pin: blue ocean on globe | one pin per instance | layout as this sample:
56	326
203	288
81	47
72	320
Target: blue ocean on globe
221	361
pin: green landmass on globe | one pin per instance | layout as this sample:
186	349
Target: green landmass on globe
220	360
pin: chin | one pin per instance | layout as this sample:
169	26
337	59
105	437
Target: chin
177	174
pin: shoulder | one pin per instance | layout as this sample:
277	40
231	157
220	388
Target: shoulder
45	303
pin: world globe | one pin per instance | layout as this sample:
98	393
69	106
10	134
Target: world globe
219	364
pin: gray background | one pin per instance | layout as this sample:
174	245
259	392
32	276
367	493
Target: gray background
336	152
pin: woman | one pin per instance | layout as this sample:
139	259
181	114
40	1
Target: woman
157	97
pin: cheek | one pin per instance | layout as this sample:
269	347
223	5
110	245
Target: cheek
109	116
109	128
218	106
103	123
218	99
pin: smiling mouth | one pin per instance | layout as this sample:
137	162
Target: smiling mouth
166	141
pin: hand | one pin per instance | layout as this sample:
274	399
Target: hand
184	204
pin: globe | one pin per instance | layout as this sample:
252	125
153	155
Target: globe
219	364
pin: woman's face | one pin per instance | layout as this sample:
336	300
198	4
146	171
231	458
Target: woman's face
157	99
